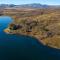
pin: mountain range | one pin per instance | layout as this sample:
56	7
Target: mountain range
34	5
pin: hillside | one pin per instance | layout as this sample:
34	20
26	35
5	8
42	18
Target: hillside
43	24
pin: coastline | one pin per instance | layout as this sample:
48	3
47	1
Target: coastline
8	31
40	40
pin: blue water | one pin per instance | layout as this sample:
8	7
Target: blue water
15	47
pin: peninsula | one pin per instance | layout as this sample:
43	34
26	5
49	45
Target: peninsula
41	23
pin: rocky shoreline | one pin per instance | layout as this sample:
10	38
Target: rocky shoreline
8	31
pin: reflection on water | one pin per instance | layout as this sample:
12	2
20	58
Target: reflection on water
15	47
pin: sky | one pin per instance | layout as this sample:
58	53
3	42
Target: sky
19	2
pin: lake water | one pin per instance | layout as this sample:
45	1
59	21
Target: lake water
15	47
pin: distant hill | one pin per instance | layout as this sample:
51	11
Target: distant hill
34	5
6	5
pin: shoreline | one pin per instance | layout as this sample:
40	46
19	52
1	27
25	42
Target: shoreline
7	30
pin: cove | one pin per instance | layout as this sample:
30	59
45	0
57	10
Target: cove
20	47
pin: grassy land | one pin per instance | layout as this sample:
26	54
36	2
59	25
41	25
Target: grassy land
44	24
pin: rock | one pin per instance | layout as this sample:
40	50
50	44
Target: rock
7	30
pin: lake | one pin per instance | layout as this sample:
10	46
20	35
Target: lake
18	47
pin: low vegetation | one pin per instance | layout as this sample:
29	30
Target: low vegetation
44	24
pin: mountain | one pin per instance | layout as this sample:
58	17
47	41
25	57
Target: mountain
6	5
34	5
